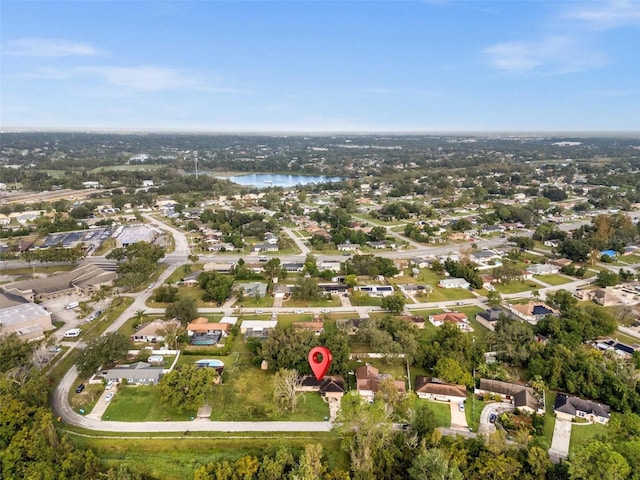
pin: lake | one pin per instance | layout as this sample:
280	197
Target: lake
264	180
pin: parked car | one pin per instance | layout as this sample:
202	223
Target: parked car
109	397
55	349
110	384
461	406
492	418
298	311
80	388
259	311
325	310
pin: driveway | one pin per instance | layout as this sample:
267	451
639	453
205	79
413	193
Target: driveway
497	408
458	418
561	439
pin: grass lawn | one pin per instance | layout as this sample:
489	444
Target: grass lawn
365	301
584	433
473	409
141	404
554	279
177	458
184	292
549	419
517	286
621	337
259	302
247	394
87	399
182	271
128	168
324	302
448	294
442	412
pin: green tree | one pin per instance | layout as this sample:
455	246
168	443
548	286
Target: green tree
423	422
596	460
184	309
394	303
607	278
187	387
107	348
494	299
310	465
14	352
307	289
286	385
451	371
433	464
366	431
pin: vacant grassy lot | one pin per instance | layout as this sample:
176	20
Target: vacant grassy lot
324	302
554	279
449	294
141	404
176	458
442	412
517	286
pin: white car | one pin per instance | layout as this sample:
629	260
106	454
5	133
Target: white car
110	384
325	310
461	406
109	397
259	311
298	311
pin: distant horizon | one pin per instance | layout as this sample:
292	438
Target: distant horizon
324	133
321	66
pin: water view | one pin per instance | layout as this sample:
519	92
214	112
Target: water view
263	180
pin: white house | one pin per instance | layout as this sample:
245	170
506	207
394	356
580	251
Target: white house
453	283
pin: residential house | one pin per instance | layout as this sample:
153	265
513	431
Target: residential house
453	283
456	318
296	267
568	408
329	265
493	314
316	327
203	332
413	288
431	388
348	247
623	350
253	289
139	373
520	396
257	328
368	380
543	269
152	331
377	245
376	290
533	312
191	279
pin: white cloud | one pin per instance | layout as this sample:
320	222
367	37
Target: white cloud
50	47
144	78
607	15
138	79
550	55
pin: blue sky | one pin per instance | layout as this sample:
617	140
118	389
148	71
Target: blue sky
313	66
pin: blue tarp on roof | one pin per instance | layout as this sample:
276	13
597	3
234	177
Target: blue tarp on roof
610	253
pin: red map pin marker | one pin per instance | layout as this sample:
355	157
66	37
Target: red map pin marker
320	361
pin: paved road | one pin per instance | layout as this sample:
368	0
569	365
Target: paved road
304	250
486	427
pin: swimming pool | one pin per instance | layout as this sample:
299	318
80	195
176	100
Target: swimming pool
210	362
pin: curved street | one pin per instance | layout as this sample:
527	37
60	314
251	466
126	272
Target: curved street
180	256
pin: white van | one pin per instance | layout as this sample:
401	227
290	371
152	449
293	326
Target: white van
74	332
72	305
